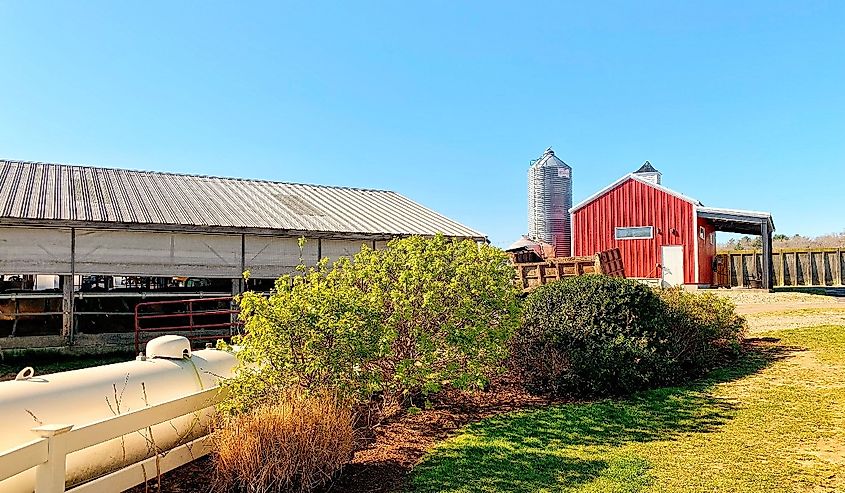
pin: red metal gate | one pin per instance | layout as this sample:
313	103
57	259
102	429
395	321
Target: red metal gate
197	319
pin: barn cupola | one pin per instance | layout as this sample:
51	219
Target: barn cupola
648	173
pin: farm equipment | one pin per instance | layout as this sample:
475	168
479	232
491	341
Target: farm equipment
533	274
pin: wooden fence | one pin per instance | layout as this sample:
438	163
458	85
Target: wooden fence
793	267
48	454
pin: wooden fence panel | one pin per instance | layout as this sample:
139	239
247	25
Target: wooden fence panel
792	267
788	276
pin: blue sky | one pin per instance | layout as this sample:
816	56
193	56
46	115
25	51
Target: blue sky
739	104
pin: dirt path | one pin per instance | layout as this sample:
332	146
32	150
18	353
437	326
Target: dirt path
765	322
772	311
756	308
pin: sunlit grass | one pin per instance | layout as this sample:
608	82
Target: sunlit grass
774	421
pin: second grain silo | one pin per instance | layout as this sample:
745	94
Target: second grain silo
549	201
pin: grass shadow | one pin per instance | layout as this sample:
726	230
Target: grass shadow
834	291
527	470
559	447
47	361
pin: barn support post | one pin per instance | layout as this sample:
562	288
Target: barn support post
767	267
239	284
67	304
68	293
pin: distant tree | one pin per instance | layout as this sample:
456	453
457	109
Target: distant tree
780	240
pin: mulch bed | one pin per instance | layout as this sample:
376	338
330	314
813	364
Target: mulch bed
386	457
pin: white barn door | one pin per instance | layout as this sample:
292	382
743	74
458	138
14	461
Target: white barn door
673	265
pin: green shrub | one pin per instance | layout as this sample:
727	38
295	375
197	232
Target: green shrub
592	335
704	329
408	318
597	335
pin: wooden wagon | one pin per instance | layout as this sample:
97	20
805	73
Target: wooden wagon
533	274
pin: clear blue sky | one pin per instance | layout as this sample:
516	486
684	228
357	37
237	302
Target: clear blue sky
739	104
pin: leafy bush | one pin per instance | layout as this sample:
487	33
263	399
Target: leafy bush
294	443
595	335
591	335
704	328
411	317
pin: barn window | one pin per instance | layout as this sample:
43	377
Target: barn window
635	233
701	232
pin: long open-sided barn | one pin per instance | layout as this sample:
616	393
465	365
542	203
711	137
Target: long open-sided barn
663	235
80	246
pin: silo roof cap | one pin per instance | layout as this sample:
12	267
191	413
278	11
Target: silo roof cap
549	160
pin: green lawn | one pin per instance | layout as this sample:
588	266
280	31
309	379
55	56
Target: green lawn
773	422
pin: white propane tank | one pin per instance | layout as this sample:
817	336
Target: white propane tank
80	397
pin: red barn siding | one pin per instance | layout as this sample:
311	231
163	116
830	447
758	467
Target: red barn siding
633	203
706	252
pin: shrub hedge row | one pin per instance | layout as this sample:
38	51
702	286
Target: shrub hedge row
598	335
420	314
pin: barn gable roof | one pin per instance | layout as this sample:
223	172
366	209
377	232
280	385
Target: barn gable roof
45	193
632	176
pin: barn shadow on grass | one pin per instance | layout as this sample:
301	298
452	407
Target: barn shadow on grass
562	446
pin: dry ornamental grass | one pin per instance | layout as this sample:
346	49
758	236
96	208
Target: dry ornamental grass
294	444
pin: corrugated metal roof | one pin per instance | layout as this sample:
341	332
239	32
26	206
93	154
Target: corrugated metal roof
40	192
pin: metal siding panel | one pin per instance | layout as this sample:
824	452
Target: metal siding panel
157	254
34	250
635	204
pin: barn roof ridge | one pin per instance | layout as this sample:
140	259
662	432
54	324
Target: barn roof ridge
633	176
184	174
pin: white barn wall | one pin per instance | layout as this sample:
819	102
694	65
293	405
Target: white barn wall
34	250
334	249
47	251
157	254
269	257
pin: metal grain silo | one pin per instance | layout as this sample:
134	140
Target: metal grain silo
549	201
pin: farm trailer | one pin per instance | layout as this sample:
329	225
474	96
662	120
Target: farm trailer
533	274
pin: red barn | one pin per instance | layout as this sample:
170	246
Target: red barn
663	235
